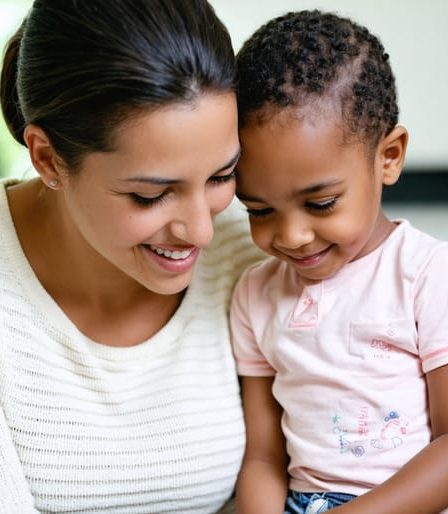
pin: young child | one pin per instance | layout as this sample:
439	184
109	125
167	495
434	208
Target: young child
342	338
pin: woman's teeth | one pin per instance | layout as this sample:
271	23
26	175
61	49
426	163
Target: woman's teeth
175	255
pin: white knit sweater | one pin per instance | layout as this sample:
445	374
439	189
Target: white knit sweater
88	428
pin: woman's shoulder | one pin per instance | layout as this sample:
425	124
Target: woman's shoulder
231	224
232	244
229	254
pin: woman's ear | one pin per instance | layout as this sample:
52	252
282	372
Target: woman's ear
43	156
391	153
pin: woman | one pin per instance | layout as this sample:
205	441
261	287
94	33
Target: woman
117	384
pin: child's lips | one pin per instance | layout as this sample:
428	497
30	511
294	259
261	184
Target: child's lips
311	259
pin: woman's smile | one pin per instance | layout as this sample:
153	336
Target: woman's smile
175	261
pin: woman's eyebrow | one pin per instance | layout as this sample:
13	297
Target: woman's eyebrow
163	181
157	181
232	161
247	198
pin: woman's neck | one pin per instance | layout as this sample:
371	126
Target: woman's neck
104	303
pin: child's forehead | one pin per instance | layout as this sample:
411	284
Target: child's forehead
305	145
310	108
314	121
316	114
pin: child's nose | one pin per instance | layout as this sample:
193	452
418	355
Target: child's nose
293	232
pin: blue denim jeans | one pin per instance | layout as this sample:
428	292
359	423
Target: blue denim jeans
314	503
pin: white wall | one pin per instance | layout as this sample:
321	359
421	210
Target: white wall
415	34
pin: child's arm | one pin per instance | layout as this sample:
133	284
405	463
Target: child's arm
263	479
421	486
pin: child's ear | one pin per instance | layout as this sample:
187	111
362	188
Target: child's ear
43	156
391	153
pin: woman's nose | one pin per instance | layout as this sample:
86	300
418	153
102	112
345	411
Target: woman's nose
195	223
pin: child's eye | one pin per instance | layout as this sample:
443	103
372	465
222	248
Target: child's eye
324	206
222	179
259	213
147	201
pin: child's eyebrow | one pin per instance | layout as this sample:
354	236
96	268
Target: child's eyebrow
314	188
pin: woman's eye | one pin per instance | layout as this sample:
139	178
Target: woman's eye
222	179
259	213
147	201
324	206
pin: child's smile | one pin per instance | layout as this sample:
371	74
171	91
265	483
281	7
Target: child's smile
313	199
310	260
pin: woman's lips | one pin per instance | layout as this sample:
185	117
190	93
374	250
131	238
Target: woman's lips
176	254
173	260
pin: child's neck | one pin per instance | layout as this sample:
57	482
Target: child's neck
382	230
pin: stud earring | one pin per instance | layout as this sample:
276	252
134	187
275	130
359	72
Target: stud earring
53	183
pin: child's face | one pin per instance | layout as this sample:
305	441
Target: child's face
313	200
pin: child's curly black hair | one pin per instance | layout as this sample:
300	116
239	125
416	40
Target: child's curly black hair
303	56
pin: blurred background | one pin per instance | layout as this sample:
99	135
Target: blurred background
414	34
13	158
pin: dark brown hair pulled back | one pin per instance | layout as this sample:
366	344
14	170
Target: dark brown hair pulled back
77	68
11	108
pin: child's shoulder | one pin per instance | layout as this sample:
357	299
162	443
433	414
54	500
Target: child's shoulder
413	248
414	234
266	279
414	242
269	269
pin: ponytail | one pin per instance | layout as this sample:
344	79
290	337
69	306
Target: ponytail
8	87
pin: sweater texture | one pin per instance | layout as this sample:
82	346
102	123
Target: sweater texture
89	428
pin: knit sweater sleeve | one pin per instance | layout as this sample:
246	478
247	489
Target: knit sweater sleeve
15	496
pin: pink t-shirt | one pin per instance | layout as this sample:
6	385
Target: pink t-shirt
349	356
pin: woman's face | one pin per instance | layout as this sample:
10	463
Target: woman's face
147	206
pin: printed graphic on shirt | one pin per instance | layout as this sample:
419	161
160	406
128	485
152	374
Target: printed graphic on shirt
346	442
368	433
393	341
393	432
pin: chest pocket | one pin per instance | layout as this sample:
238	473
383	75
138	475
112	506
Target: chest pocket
389	345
